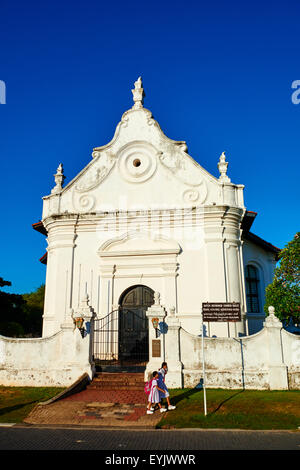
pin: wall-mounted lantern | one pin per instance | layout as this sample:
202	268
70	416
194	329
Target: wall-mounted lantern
79	324
155	323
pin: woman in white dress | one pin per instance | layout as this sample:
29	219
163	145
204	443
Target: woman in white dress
154	395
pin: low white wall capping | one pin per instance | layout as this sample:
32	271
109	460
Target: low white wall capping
58	360
269	359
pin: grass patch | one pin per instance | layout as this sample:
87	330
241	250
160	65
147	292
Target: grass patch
17	402
243	409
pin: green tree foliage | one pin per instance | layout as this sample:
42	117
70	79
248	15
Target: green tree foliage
4	283
12	317
284	292
33	308
21	315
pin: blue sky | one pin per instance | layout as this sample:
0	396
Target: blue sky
217	75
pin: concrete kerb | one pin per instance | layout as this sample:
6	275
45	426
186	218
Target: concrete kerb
148	428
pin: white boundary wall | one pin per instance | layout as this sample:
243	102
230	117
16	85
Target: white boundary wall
58	360
269	360
246	362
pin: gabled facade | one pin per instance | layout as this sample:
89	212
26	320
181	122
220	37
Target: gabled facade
144	213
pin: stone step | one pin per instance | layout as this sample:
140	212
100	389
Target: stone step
116	385
122	381
119	374
117	381
119	368
101	387
119	378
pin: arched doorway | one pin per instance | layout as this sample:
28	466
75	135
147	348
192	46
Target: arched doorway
121	338
133	325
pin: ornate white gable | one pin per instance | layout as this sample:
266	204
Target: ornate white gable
141	168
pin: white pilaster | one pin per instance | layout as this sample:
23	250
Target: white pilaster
278	373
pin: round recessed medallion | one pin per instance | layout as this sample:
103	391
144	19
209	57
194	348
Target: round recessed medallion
137	162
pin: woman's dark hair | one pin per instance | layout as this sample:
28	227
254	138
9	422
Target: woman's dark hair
163	364
154	373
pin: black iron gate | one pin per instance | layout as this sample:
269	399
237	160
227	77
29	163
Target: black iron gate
121	338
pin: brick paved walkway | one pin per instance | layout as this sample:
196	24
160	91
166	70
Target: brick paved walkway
106	408
110	396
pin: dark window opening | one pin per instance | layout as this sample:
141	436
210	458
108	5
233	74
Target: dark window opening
252	289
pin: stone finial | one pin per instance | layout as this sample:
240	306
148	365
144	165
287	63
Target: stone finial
271	310
172	311
138	94
85	300
271	320
156	298
59	178
222	165
84	310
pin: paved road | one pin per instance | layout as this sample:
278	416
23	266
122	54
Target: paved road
35	438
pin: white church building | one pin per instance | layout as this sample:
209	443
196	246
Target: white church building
143	212
141	238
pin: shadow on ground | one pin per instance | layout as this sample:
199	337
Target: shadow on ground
9	409
188	393
178	398
225	401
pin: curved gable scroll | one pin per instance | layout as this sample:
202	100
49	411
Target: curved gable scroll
138	244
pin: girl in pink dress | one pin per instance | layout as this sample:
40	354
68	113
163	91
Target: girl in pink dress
154	395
